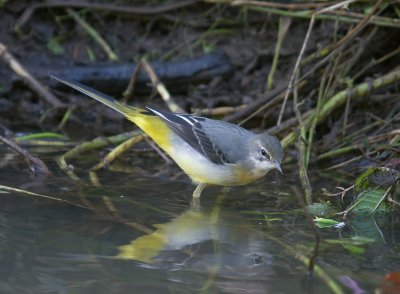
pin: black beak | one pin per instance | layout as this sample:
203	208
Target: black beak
278	167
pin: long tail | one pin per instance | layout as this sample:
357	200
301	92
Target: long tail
151	124
103	98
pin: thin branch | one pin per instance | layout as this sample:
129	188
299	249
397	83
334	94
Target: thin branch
35	164
294	6
296	67
11	189
125	9
94	34
161	89
34	84
339	99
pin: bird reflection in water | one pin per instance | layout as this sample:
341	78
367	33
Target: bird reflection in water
207	241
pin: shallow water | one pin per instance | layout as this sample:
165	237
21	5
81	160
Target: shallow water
144	235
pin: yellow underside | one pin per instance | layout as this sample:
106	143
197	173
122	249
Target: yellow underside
154	127
162	135
195	168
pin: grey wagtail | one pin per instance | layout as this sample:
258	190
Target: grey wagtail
210	152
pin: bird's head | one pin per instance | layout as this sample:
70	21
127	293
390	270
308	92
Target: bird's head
266	152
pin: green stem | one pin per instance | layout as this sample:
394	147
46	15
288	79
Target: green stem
94	34
376	20
337	152
99	143
284	24
339	99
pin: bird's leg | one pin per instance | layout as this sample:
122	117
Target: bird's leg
197	192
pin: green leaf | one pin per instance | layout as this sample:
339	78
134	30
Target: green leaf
321	209
362	181
354	244
353	248
46	135
369	226
356	240
369	200
326	222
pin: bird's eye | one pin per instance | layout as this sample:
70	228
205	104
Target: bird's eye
264	153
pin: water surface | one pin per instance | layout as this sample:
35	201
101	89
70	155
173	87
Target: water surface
143	235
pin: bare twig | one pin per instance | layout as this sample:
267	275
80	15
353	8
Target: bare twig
331	14
335	6
390	199
35	164
342	192
344	163
294	6
284	24
217	111
273	98
11	189
376	62
165	95
291	122
94	34
34	84
353	32
360	145
143	11
296	68
99	143
87	205
305	182
339	99
131	86
117	151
